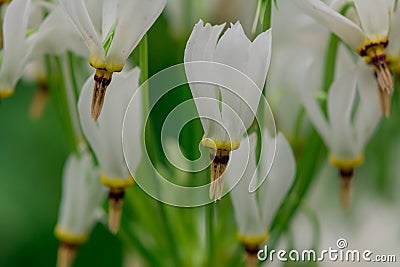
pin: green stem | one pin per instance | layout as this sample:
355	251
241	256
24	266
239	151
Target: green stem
65	109
144	63
267	16
134	241
210	233
60	98
73	76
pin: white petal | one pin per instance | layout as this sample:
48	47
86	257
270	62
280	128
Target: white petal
242	165
105	135
394	36
82	195
56	35
368	113
15	50
79	15
239	92
313	109
201	47
374	16
340	107
109	17
279	180
134	18
347	30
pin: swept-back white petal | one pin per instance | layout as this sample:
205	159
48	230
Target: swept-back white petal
394	35
279	180
56	35
242	165
375	16
239	91
340	106
133	19
347	30
368	114
79	15
313	109
200	47
82	195
109	17
15	46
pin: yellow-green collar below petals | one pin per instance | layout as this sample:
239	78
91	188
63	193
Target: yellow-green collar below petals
346	163
253	241
116	182
6	92
369	46
69	238
217	144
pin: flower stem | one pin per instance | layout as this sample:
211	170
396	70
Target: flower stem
73	77
60	98
267	16
210	233
144	63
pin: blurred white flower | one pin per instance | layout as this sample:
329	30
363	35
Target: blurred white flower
350	122
111	30
227	110
105	137
23	44
254	211
80	208
17	47
369	39
295	39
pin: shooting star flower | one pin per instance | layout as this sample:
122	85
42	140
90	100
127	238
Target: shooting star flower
105	137
17	47
254	211
369	36
80	208
225	122
123	24
347	127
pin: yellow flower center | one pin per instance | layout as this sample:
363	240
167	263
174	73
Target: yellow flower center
346	163
69	238
253	241
216	144
116	182
6	92
371	48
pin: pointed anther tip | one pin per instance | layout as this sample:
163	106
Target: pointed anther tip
102	80
346	177
66	255
115	203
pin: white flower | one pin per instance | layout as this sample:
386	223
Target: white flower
111	30
254	212
242	77
52	35
105	136
21	48
369	39
348	126
17	47
82	196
